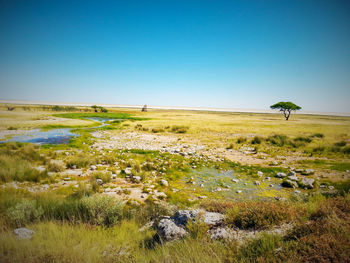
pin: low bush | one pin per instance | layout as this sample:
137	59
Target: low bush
101	210
278	139
80	161
317	135
218	206
302	139
179	129
55	166
259	215
241	140
256	140
104	176
24	212
318	149
230	146
157	130
340	144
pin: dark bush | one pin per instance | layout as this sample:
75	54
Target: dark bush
256	140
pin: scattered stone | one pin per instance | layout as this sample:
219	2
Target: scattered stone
127	171
168	230
220	234
260	173
181	217
239	191
23	233
66	179
307	172
307	182
289	183
235	180
136	179
160	195
40	168
164	182
331	187
202	197
93	167
257	183
278	198
213	219
293	178
281	175
271	185
292	173
99	181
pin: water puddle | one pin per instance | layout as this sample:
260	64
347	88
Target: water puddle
54	136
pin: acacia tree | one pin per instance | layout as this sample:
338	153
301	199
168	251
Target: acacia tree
286	108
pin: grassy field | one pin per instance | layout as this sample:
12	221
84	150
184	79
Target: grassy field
99	197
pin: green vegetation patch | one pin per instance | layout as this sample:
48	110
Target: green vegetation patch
105	115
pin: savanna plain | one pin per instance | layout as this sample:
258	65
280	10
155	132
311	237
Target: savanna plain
94	184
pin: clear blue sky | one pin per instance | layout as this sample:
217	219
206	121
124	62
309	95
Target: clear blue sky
237	54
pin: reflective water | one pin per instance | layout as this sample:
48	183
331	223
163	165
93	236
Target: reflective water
54	136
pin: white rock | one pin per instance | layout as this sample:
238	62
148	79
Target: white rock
23	233
164	182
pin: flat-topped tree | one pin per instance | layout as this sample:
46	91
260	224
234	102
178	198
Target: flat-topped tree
285	107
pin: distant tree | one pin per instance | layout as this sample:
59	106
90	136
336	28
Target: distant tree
10	108
144	108
286	108
94	107
103	109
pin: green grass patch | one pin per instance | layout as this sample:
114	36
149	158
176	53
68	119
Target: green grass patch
104	115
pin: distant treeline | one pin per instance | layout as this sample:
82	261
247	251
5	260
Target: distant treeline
46	108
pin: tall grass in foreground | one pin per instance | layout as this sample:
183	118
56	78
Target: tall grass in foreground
17	161
64	234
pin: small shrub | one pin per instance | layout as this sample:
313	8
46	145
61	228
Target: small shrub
346	150
80	161
101	209
318	149
24	212
259	215
56	166
303	139
218	206
104	176
11	128
317	135
157	130
179	129
256	140
230	146
340	144
197	229
241	140
278	140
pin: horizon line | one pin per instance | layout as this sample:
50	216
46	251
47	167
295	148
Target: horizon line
162	107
